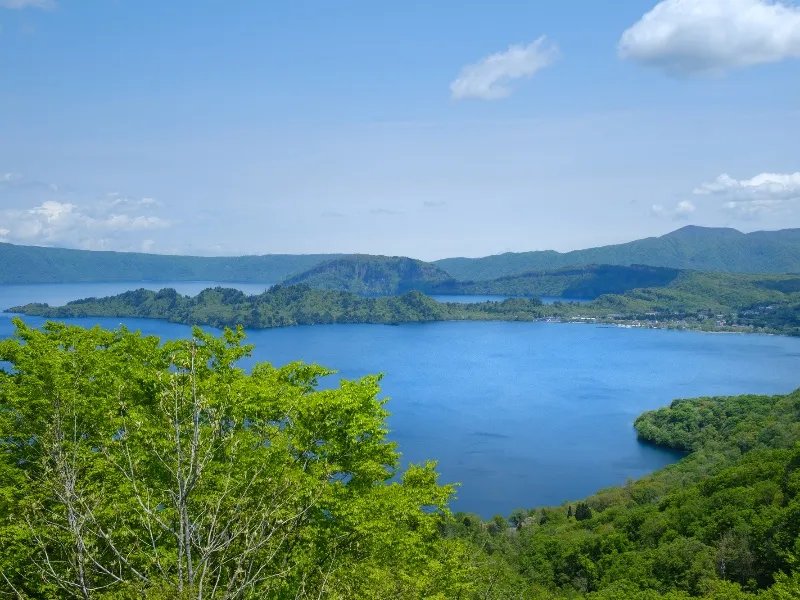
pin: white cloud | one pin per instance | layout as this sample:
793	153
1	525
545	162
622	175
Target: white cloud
64	223
679	213
147	245
19	4
766	186
711	37
489	78
763	194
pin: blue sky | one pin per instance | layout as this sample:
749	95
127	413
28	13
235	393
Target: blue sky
416	128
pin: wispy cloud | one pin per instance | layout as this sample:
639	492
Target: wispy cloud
434	203
490	77
328	214
760	195
711	37
679	213
20	4
385	211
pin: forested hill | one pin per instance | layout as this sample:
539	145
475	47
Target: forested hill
33	264
587	282
383	275
283	306
722	524
375	275
691	247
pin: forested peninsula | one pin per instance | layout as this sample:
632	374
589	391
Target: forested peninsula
691	300
283	306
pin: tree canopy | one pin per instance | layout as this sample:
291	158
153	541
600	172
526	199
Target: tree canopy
133	468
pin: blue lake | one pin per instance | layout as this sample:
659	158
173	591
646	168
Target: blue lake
522	414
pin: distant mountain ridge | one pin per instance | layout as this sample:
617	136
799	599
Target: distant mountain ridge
34	264
691	247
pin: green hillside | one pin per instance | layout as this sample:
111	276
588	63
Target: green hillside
723	523
282	306
32	264
691	247
374	275
574	282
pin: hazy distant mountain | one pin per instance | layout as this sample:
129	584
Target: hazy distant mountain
374	275
33	264
691	247
701	248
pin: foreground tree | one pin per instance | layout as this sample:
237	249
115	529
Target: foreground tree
132	468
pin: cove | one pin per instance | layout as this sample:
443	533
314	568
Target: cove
521	414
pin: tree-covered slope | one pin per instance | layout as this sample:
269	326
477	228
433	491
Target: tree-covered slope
282	306
723	523
32	264
587	282
691	247
374	275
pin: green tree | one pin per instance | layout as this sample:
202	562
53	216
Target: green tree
132	468
582	511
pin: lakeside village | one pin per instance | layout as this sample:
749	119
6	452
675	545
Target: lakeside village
735	322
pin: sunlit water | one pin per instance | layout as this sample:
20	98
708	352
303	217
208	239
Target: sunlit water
521	414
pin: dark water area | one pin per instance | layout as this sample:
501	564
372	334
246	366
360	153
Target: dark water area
521	414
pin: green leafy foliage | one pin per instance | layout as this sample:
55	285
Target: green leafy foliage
132	469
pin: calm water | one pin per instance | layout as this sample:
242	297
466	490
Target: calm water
522	414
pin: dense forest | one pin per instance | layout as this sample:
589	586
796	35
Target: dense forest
722	523
285	306
691	247
131	468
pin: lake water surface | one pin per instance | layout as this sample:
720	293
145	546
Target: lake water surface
522	414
